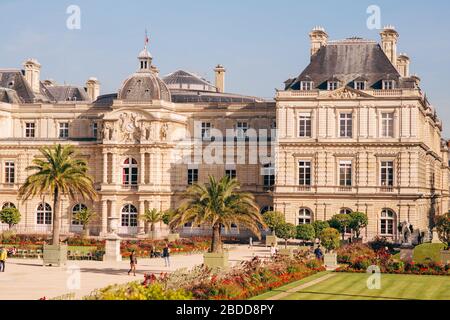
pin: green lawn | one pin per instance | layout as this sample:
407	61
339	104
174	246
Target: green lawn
352	286
428	251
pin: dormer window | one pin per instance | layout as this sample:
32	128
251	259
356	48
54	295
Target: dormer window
388	84
333	85
360	85
306	85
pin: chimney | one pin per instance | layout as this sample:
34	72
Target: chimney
318	38
389	39
220	78
32	74
403	65
93	88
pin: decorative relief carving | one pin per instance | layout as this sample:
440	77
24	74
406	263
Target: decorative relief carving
130	131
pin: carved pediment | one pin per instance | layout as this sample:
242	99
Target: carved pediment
348	93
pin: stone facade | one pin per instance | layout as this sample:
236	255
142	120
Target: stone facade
385	157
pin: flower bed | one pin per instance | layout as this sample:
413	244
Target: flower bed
358	257
244	281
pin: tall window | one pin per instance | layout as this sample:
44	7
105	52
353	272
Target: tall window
44	214
192	176
130	172
206	130
345	173
304	173
241	130
129	216
388	84
266	209
304	126
77	208
387	125
9	172
304	216
387	173
30	130
387	222
360	85
231	173
95	130
63	129
306	85
346	125
269	176
333	85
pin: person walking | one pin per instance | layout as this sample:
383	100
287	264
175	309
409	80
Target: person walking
166	255
273	250
318	253
133	263
3	256
250	243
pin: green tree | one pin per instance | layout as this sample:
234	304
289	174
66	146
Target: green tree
61	173
319	226
358	221
443	228
167	217
84	217
273	219
10	216
219	204
340	222
152	217
286	231
329	238
306	232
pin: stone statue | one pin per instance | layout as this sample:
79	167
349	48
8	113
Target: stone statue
108	131
164	131
129	129
406	232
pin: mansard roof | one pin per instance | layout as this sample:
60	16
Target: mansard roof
348	60
181	79
67	93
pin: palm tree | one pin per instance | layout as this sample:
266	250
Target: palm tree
219	204
61	173
84	216
152	217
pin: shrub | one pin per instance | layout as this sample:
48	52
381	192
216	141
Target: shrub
305	232
319	226
340	222
10	216
286	231
137	291
443	228
379	243
330	239
358	221
273	219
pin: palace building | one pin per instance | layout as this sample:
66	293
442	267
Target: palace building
353	132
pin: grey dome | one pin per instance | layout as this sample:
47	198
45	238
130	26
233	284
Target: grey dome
144	86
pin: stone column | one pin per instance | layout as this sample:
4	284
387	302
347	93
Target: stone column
141	223
104	218
113	213
114	169
142	173
105	167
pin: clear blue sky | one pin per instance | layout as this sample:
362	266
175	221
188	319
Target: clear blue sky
261	43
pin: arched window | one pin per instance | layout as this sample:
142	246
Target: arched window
304	216
8	205
130	172
129	216
387	222
345	211
266	209
44	214
77	208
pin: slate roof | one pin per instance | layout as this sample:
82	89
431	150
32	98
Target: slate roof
348	60
13	80
144	86
181	78
67	93
193	96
